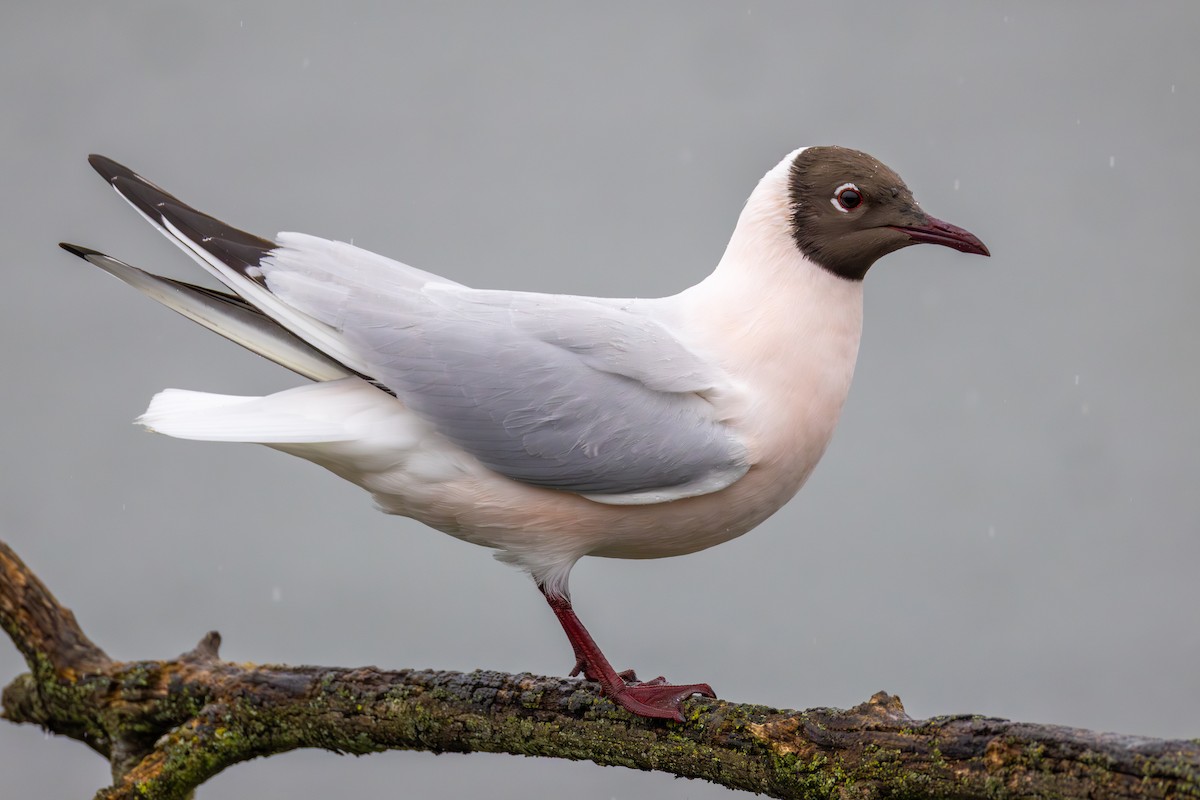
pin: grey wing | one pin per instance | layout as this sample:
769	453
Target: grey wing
562	392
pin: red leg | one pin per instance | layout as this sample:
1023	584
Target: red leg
656	699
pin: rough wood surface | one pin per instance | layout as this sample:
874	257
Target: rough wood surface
167	726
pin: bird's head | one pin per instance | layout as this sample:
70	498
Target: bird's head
849	210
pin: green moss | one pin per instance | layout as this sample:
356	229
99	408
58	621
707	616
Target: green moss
935	755
872	771
45	698
1034	756
721	742
1184	772
532	699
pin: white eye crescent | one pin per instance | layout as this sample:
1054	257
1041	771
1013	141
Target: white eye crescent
846	197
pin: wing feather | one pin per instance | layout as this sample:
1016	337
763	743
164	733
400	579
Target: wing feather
580	394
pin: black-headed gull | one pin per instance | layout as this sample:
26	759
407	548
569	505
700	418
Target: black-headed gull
552	427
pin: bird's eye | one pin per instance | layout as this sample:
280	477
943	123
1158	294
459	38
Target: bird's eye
847	197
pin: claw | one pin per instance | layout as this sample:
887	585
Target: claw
658	700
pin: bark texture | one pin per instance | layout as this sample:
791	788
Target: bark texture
168	726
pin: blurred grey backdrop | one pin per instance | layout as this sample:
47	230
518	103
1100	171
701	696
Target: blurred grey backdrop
1007	522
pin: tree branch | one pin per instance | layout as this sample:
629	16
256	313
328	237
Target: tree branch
168	726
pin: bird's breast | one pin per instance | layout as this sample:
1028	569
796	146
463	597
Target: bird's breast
790	359
790	355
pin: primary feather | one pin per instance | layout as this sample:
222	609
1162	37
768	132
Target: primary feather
577	394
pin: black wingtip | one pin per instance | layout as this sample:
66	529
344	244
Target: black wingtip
236	248
79	250
109	169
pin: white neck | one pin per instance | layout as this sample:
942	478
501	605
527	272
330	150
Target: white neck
763	273
783	327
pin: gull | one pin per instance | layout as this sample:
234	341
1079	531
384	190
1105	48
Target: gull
552	427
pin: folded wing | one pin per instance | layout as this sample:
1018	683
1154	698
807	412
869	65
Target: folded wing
568	393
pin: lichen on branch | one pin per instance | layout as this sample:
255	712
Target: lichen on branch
167	726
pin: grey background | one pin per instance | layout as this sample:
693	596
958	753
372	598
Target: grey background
1006	523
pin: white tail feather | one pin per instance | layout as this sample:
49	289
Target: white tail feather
275	419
